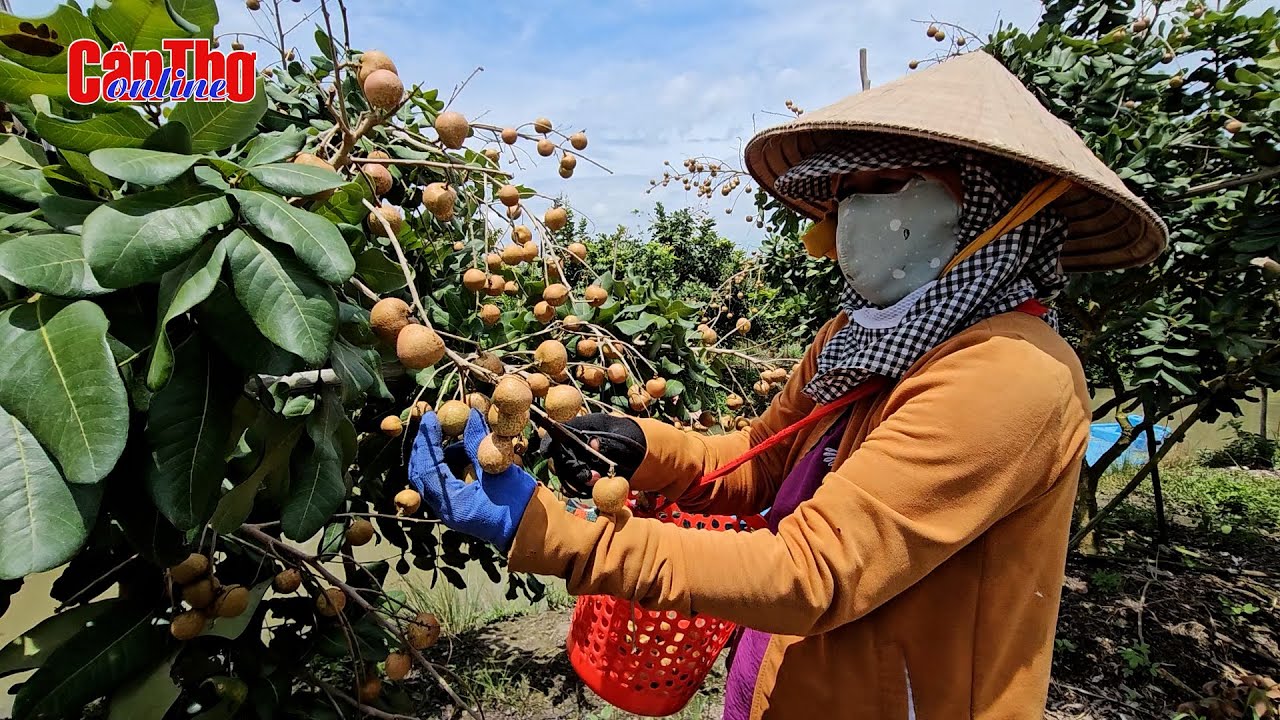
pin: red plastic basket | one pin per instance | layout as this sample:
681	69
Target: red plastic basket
649	662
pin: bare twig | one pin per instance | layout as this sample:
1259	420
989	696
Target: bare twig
432	163
1228	183
349	140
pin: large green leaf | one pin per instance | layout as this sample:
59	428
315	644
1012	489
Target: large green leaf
318	487
66	212
219	125
29	650
146	697
121	643
187	427
360	370
234	627
40	522
296	179
52	264
274	147
225	321
40	43
316	241
141	166
144	24
25	184
22	152
136	238
57	376
181	289
235	506
125	128
18	84
379	272
288	304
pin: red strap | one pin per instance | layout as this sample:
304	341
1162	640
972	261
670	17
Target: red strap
1031	307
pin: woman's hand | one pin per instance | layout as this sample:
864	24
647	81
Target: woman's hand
489	508
618	438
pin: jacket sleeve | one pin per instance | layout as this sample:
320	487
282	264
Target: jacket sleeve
676	459
986	429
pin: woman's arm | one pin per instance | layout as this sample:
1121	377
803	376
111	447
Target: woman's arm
987	428
676	459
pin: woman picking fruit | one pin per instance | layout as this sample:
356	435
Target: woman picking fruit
920	467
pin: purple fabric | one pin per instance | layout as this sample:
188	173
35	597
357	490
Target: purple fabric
748	651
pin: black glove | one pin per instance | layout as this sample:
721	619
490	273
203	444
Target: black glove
620	439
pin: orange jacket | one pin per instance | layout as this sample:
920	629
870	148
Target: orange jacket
923	576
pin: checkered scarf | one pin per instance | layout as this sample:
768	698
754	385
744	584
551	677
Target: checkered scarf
1014	268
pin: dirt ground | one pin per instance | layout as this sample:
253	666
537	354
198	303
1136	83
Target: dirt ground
1140	633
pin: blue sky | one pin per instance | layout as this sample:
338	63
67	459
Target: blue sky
649	80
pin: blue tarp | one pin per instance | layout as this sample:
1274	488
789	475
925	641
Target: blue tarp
1103	435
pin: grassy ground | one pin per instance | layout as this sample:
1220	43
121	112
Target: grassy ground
1141	631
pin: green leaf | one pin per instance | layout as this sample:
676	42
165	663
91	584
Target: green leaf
316	241
318	487
144	24
21	152
32	648
331	541
146	697
40	522
18	84
217	126
187	428
125	128
379	272
633	327
140	166
288	304
232	628
122	642
136	238
360	371
274	147
25	184
181	289
66	212
52	264
95	179
45	49
295	179
235	506
346	204
58	378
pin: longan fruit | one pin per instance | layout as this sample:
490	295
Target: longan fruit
407	502
610	495
287	581
359	532
331	602
391	426
194	567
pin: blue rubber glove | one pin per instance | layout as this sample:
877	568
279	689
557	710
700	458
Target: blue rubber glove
489	508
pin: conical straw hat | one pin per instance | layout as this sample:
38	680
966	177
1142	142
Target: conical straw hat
972	101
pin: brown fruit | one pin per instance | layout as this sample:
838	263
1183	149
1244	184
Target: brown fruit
592	376
512	395
566	172
490	314
709	337
418	347
515	212
478	401
511	288
706	419
398	665
610	495
418	409
931	32
743	424
1234	126
940	36
563	403
508	425
521	234
452	128
546	148
542	125
392	214
388	317
578	140
391	426
551	357
187	625
596	295
378	155
610	351
587	348
312	160
1176	82
379	177
543	312
359	532
617	373
231	602
287	581
913	64
555	294
510	136
657	387
495	454
639	400
383	89
407	501
578	250
423	631
370	689
734	401
509	195
490	362
252	4
494	285
763	388
331	602
555	218
568	161
199	594
474	279
193	568
743	326
453	417
512	255
530	251
440	200
372	60
493	155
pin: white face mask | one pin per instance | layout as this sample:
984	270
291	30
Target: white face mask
891	245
